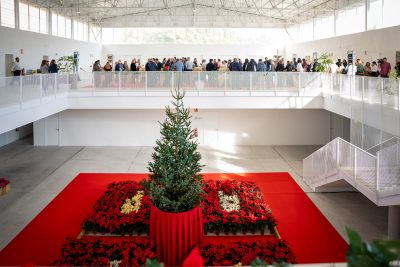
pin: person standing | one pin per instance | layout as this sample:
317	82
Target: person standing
53	68
16	67
374	69
97	66
44	69
385	68
133	65
189	65
299	66
179	65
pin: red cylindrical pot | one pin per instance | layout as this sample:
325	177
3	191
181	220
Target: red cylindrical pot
175	234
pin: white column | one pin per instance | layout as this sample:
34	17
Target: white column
394	223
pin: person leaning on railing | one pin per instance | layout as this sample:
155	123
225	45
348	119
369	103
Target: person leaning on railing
360	67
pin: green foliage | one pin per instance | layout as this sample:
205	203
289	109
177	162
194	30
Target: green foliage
174	184
323	62
65	63
260	263
376	254
153	263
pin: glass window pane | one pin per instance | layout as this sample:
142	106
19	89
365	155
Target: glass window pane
23	16
375	14
350	20
85	32
75	30
34	19
68	28
54	24
7	15
391	13
324	27
43	20
61	26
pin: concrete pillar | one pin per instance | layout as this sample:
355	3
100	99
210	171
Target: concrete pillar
394	223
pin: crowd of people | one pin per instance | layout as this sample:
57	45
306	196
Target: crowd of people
381	68
377	68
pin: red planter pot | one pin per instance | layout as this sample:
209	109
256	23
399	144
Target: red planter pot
175	234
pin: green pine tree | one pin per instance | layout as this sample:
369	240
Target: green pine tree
175	183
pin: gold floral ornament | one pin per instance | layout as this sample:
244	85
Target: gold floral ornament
115	263
133	204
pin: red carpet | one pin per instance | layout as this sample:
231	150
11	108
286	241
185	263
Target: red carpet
307	231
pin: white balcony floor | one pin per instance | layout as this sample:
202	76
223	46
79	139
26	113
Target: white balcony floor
38	174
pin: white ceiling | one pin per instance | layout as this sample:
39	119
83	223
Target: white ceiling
195	13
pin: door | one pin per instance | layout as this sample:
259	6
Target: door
52	130
205	124
9	58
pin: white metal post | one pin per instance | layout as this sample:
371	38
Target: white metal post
93	82
225	83
377	170
275	82
251	83
145	84
355	165
340	84
172	80
20	92
41	87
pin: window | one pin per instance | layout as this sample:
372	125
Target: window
306	32
54	24
194	36
61	26
324	27
68	28
34	19
390	11
94	34
43	20
374	14
24	16
80	31
350	20
7	14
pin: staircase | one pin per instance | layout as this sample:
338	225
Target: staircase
375	173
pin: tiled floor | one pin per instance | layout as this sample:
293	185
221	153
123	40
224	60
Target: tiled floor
38	174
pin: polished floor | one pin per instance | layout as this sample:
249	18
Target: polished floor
38	174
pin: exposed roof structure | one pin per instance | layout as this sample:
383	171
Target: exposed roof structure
195	13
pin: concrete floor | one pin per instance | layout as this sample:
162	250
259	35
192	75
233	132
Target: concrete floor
38	174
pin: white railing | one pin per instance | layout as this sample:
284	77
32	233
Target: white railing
375	176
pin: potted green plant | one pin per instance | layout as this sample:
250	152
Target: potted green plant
174	185
324	61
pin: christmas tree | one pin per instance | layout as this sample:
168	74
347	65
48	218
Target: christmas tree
175	183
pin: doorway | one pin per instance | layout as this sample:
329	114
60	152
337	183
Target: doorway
9	58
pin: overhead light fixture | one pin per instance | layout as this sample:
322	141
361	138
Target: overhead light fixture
78	12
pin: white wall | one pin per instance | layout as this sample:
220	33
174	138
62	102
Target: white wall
230	127
368	46
127	52
31	47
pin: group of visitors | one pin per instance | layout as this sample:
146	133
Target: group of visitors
186	64
46	67
382	68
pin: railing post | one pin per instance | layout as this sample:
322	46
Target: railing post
225	83
41	87
377	170
340	84
251	83
331	85
145	84
172	80
299	82
355	166
93	82
20	92
275	83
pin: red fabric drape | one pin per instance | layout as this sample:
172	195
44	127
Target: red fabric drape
175	234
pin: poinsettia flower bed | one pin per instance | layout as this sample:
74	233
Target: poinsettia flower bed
123	209
231	206
271	251
100	252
